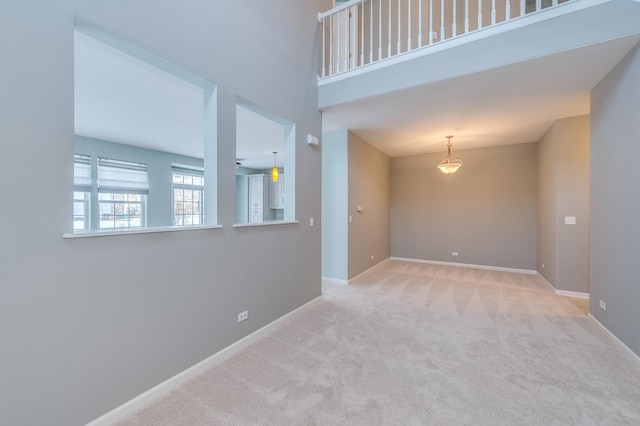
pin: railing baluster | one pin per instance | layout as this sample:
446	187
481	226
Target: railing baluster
430	22
419	23
379	29
340	43
370	31
399	28
538	5
389	31
347	40
454	27
324	49
331	70
479	14
441	20
339	59
466	16
409	26
493	12
523	7
362	34
507	10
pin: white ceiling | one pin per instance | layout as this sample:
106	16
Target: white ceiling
123	99
507	105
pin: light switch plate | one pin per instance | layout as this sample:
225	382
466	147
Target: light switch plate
569	220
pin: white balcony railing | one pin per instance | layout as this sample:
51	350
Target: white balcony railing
362	32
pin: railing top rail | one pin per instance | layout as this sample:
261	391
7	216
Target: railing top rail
337	9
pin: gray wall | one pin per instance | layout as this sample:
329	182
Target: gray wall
335	198
563	190
573	200
615	200
369	187
159	209
547	206
486	211
90	323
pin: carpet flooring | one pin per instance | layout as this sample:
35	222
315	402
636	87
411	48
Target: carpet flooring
419	344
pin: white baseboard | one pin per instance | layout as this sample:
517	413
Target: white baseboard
627	348
467	265
382	262
576	294
130	407
544	280
334	281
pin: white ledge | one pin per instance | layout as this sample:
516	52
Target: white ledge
109	233
280	222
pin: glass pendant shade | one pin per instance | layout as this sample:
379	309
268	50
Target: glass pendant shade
274	171
447	165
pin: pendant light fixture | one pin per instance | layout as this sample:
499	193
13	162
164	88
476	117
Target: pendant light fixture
447	165
274	171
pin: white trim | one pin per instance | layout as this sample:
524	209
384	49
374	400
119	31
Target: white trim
153	230
373	267
499	28
133	405
552	288
275	222
628	349
334	281
467	265
567	293
575	294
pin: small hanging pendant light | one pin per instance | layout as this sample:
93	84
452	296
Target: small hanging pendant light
447	165
274	171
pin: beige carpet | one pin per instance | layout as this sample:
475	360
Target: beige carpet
418	344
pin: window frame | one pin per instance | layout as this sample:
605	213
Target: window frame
82	184
193	172
127	203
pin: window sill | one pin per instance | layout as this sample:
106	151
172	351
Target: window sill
108	232
280	222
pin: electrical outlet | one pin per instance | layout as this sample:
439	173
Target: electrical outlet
372	257
543	266
454	253
603	306
310	221
569	220
243	316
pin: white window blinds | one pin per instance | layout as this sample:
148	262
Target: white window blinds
81	173
122	177
184	176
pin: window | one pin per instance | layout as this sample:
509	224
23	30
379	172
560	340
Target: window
122	194
122	210
81	192
188	196
174	121
264	141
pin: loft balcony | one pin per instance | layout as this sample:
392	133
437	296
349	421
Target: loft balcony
374	47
